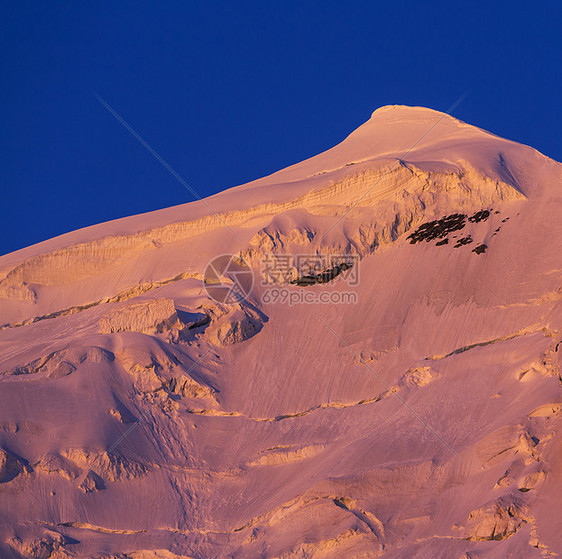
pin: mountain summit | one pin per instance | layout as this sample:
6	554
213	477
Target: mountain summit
383	379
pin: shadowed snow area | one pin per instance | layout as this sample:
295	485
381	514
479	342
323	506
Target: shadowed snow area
141	418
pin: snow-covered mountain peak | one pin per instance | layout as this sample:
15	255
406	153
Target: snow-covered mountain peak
403	401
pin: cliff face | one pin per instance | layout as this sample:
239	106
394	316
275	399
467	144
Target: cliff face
399	397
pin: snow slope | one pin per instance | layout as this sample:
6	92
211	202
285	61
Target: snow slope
140	418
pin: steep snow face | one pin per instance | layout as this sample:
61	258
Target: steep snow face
413	411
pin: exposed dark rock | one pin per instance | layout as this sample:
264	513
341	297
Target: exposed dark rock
192	320
202	322
463	241
322	277
445	241
480	249
438	229
91	483
10	466
482	215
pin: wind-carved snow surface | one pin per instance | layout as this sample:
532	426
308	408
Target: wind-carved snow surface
141	418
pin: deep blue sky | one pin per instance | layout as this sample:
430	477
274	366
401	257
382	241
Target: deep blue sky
227	92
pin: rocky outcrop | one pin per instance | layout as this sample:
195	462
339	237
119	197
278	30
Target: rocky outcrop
156	370
90	469
46	544
323	276
497	520
282	455
91	482
233	324
186	386
53	463
531	481
418	376
144	366
105	464
10	466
